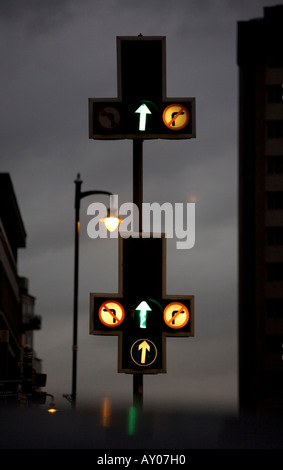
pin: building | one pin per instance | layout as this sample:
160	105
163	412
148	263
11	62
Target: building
17	318
260	62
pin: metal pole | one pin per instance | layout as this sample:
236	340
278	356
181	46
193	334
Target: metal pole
78	184
138	177
138	199
138	391
78	196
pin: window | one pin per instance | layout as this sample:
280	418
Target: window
274	344
274	272
274	93
274	235
274	200
274	308
274	129
274	165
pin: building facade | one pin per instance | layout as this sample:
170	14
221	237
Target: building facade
17	318
260	64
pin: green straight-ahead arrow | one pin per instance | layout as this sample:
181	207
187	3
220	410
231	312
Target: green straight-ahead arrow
143	307
143	111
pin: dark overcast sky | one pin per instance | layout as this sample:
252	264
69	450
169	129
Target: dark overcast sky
54	56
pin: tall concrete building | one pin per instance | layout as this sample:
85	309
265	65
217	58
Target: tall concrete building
260	62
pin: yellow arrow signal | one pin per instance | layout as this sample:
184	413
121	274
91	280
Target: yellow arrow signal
143	352
144	346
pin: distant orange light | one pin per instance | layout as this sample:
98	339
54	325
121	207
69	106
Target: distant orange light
52	410
192	198
106	412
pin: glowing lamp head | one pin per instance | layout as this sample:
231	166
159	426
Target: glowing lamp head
52	408
111	222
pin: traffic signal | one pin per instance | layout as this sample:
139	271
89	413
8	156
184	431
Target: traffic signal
142	109
142	119
142	309
141	314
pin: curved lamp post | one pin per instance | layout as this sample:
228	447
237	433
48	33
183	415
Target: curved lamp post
78	196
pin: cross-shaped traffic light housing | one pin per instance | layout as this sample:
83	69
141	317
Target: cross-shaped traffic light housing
141	314
142	109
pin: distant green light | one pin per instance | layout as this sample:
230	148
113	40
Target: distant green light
143	111
132	420
143	308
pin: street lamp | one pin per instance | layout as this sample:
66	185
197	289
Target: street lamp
78	196
52	407
111	222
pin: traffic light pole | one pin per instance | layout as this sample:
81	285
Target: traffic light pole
138	177
138	199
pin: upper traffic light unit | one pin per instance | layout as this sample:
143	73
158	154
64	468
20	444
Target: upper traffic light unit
141	109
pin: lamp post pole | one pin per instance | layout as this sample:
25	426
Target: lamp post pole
78	196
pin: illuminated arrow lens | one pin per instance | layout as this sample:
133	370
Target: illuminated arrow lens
143	352
143	308
143	111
